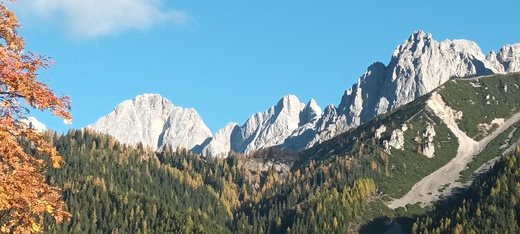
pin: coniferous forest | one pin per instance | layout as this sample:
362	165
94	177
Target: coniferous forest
112	188
109	187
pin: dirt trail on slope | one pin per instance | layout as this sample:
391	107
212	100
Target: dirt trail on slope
426	191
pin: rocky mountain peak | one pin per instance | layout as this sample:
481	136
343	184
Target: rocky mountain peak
420	35
418	42
421	64
154	121
311	112
150	98
220	143
289	104
264	129
509	57
492	56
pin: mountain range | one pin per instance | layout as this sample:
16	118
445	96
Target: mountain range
417	66
404	145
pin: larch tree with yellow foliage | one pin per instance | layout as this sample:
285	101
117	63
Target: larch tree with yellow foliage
24	194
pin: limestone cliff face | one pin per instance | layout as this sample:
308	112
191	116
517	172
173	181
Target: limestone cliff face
419	65
154	121
507	59
270	127
264	129
220	143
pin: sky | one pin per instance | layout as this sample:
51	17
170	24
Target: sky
231	59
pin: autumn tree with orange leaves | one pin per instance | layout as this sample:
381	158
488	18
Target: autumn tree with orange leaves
24	195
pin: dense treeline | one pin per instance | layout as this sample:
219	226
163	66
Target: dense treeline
321	198
113	188
490	205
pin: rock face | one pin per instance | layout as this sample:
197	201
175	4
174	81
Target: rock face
428	147
155	122
397	138
507	59
270	128
380	131
220	144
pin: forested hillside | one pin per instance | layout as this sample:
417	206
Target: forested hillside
397	164
109	187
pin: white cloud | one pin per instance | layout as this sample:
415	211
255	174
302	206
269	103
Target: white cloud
94	18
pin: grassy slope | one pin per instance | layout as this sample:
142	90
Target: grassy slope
482	100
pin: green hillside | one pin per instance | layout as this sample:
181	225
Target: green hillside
482	100
396	172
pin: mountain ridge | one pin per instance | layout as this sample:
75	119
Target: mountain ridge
427	149
417	66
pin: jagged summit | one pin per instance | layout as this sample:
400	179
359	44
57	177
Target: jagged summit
509	58
418	65
154	121
421	64
311	112
288	105
264	129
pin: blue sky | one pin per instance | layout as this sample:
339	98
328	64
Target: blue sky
229	60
